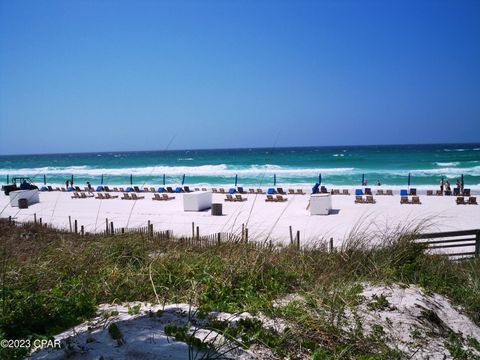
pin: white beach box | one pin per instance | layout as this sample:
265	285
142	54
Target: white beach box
320	204
197	201
31	196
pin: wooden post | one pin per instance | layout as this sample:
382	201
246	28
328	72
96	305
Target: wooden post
198	233
35	218
193	229
291	234
9	220
40	221
298	239
70	222
331	244
477	245
112	229
243	232
246	235
106	226
82	230
123	230
76	227
218	238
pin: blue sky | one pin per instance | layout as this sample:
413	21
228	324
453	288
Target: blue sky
149	75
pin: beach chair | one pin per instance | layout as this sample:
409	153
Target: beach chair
323	190
404	200
251	191
126	196
76	195
345	192
380	192
472	200
416	200
359	199
49	188
403	192
77	188
152	189
157	197
135	197
270	198
108	196
281	192
83	195
221	190
186	189
106	188
280	198
358	192
429	192
461	200
260	191
136	189
389	192
169	189
300	192
229	197
466	192
57	189
232	191
100	196
291	192
336	191
439	193
239	197
368	191
166	197
204	189
197	189
370	200
214	190
413	192
456	192
63	189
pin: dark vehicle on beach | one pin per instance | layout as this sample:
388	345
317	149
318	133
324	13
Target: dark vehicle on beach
25	184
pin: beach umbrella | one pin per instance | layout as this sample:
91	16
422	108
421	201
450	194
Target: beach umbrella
101	182
71	182
363	179
319	179
408	179
44	179
236	180
8	179
183	179
461	182
274	179
131	179
163	179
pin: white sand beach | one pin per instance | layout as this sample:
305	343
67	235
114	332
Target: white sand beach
264	220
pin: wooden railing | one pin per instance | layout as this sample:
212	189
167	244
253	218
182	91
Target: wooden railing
469	239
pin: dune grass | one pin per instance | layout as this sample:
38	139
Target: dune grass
52	280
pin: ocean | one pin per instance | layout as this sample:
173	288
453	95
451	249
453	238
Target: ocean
338	165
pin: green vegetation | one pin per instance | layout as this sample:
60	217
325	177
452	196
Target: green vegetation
51	280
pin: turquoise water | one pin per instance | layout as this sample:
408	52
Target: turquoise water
302	166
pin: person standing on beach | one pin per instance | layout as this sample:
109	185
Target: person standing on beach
441	185
66	184
89	187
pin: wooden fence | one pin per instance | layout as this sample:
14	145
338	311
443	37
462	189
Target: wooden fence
469	239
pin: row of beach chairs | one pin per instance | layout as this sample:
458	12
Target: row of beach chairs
80	195
368	199
415	200
472	200
456	192
237	197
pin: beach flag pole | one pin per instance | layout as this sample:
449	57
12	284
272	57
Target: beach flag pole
274	179
163	179
183	179
131	179
236	180
44	179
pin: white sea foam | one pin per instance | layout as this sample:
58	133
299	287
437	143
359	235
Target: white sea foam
204	170
453	163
